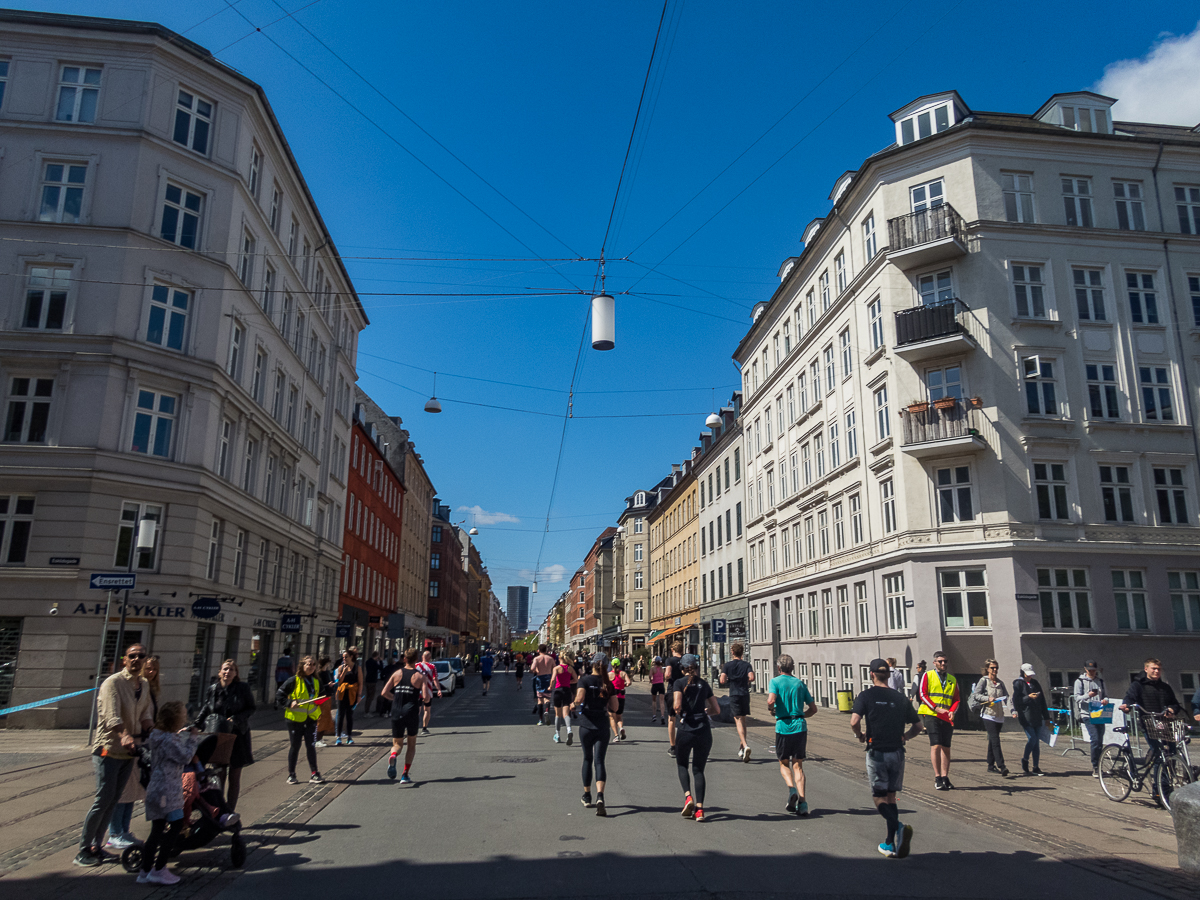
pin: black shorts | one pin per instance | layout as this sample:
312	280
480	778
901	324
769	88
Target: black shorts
407	725
428	702
657	688
485	678
791	746
562	696
739	704
620	706
939	730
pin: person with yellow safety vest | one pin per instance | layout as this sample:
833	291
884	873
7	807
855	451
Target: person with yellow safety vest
298	695
938	695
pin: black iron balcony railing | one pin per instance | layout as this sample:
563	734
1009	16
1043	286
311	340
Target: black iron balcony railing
924	227
924	323
937	422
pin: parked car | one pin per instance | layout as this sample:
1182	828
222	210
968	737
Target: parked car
447	679
457	665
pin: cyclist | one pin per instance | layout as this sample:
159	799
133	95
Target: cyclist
1153	695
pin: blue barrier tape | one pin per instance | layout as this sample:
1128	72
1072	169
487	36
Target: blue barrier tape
24	706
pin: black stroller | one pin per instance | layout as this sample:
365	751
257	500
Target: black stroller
206	811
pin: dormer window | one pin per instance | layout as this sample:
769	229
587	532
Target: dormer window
1080	111
1084	118
923	124
928	115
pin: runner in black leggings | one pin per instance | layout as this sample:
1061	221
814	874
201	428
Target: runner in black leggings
595	698
693	702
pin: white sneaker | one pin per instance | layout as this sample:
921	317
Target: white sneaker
143	877
162	876
229	820
119	842
320	744
741	752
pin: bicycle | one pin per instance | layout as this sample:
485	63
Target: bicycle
1165	767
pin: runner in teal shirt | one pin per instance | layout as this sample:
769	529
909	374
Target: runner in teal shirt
789	700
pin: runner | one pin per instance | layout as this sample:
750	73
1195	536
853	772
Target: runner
564	679
594	697
486	664
939	700
739	675
790	702
672	674
541	669
519	668
693	702
886	712
429	670
620	681
405	690
658	693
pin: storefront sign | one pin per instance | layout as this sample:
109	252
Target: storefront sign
373	620
206	608
737	629
395	626
343	629
268	624
134	610
290	623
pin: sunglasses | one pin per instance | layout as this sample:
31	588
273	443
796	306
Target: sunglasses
133	656
993	668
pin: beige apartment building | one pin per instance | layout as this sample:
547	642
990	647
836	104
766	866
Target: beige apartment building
675	561
177	352
631	558
970	406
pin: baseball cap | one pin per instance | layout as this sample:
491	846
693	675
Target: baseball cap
1090	664
880	665
688	660
1027	669
658	660
599	659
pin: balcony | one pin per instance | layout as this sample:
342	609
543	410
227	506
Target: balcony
941	329
926	237
949	431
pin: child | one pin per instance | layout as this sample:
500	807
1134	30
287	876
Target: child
172	746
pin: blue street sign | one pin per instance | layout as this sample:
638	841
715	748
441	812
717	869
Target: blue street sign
112	581
719	631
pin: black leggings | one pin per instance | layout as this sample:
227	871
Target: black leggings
995	756
345	717
302	731
686	744
161	842
595	746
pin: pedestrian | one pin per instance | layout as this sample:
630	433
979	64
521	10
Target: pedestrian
885	712
382	707
325	724
298	695
988	698
373	676
620	681
519	668
120	827
542	668
693	702
429	670
1029	706
595	699
172	746
914	690
938	693
658	693
739	675
1152	695
564	693
486	663
641	667
790	702
1089	689
896	679
404	690
284	669
672	673
123	714
349	681
228	705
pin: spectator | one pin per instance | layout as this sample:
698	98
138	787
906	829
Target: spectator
120	829
297	695
374	669
1029	702
172	746
895	677
123	713
988	697
938	692
228	705
914	690
1088	689
284	669
349	680
383	706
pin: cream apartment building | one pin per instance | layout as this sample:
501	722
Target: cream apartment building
631	557
970	406
674	525
177	351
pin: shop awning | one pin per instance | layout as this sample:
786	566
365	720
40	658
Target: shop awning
662	636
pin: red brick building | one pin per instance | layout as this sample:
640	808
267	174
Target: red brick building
447	616
371	544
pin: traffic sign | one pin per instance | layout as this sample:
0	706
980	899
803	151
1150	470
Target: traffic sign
112	581
719	631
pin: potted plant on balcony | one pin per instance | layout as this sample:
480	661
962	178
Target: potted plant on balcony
918	406
976	403
945	403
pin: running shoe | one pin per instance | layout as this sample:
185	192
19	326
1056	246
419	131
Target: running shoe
86	858
392	768
699	817
1096	773
689	807
557	739
1037	771
320	744
1003	772
587	799
292	779
793	801
1025	766
906	833
119	842
570	739
671	750
946	782
162	876
316	778
623	733
229	820
746	755
802	808
404	779
887	850
741	752
600	807
143	877
349	741
939	784
425	732
338	742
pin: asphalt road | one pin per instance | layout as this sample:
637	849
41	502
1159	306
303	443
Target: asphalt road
495	813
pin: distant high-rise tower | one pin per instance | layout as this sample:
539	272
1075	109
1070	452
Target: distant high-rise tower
518	608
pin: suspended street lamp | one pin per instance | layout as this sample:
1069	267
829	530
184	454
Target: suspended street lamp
603	322
432	405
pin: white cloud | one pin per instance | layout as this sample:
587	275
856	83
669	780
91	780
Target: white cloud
481	516
1163	86
548	575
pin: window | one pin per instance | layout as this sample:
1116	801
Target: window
819	454
737	467
1129	595
437	534
767	423
887	498
739	520
897	609
843	602
1077	201
1050	487
1083	118
1185	600
239	558
875	316
234	366
1156	392
78	92
433	589
810	539
839	527
778	415
213	569
637	583
638	525
770	489
811	299
193	120
1172	498
851	435
847	354
936	288
1131	215
62	192
791	404
856	520
1066	601
923	124
46	298
835	447
251	464
153	422
1187	202
3	79
776	344
246	265
435	560
964	598
758	436
181	216
827	609
1028	291
1040	395
927	196
802	387
637	552
954	494
1116	493
131	515
293	399
839	267
28	410
1102	391
754	373
1143	299
276	201
787	337
823	283
1018	196
871	240
252	178
883	423
806	457
167	322
944	382
1089	294
1194	290
257	383
223	449
774	555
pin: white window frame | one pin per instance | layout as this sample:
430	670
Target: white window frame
192	113
1029	290
1078	201
1129	597
1130	200
83	91
29	402
1063	593
965	600
1017	188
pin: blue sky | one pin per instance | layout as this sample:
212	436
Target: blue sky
538	99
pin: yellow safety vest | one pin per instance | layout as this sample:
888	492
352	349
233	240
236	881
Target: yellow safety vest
303	691
941	692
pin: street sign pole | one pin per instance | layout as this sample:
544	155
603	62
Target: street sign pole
99	668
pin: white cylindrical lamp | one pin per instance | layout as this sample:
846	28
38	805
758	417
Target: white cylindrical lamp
603	322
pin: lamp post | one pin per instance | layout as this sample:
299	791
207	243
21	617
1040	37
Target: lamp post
143	540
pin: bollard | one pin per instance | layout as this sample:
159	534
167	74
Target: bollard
1185	810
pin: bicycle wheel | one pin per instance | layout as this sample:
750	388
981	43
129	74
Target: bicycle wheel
1172	774
1114	773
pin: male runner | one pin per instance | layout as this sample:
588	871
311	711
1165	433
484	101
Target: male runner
541	669
672	672
519	663
739	675
886	712
429	670
405	689
485	670
790	702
